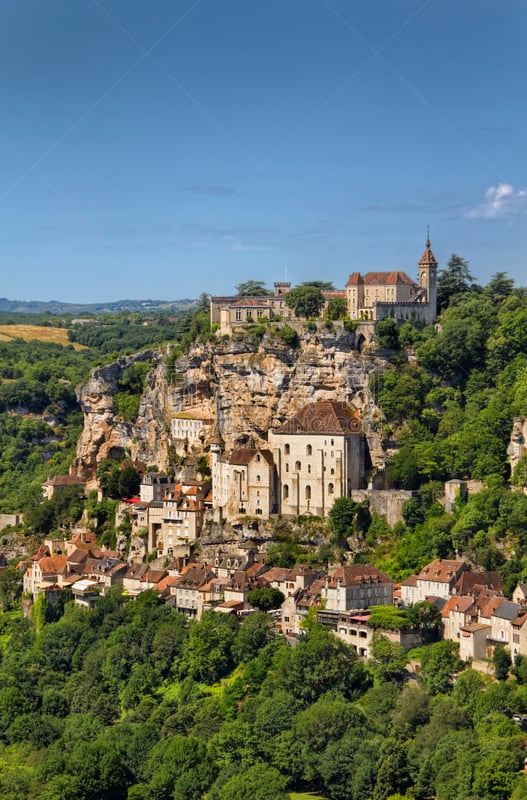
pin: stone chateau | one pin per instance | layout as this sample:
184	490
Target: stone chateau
369	297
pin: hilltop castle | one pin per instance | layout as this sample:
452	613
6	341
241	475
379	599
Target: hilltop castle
369	297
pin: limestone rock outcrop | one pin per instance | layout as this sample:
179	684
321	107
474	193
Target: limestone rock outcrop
105	434
246	386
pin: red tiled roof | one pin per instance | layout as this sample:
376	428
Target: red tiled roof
441	570
390	278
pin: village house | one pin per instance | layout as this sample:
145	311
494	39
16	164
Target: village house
353	628
154	486
356	587
436	579
189	599
59	482
188	429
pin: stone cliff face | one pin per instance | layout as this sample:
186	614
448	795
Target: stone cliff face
105	434
247	388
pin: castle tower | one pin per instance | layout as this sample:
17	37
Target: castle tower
428	280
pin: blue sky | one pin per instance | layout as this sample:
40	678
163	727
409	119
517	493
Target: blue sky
162	149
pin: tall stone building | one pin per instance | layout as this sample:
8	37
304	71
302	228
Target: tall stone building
319	455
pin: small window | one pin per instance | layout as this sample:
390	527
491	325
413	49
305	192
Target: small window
258	457
258	479
331	488
308	492
287	467
309	468
298	466
286	491
332	471
309	450
332	443
286	449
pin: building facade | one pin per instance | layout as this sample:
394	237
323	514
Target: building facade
319	455
377	295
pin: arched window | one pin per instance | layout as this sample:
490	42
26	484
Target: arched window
309	467
298	466
286	491
258	457
331	488
258	478
286	449
309	450
332	471
308	492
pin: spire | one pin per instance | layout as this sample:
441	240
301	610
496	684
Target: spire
427	259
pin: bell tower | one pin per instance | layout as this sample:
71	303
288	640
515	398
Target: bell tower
428	279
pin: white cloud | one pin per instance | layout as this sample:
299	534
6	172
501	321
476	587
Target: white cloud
500	201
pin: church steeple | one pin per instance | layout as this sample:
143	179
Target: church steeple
428	277
428	258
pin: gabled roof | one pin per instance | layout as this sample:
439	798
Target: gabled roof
356	574
390	278
323	417
52	563
242	456
506	610
442	570
470	581
64	480
458	604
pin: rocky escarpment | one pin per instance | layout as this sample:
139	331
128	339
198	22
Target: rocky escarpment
105	434
245	386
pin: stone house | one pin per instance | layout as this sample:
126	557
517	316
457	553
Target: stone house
356	587
188	429
438	579
354	629
243	483
189	598
234	311
59	482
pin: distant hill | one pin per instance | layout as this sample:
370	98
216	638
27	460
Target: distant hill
56	307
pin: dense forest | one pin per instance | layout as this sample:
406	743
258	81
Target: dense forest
129	700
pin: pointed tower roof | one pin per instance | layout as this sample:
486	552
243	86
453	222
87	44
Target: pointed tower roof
217	438
428	259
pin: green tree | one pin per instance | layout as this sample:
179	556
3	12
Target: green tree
454	280
438	664
388	659
252	289
342	516
265	599
306	301
337	308
502	662
258	781
387	334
